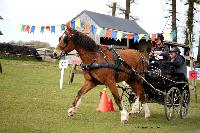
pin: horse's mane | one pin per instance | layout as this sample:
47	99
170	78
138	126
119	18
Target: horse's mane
84	41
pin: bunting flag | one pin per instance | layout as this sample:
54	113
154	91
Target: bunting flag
103	32
108	33
130	35
19	27
72	24
123	35
68	24
119	35
78	23
23	27
42	29
98	32
92	29
86	27
82	23
114	35
47	28
167	36
32	29
141	36
136	38
62	27
27	28
173	34
147	37
53	29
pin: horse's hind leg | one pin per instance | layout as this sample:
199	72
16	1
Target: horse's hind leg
124	114
138	89
88	85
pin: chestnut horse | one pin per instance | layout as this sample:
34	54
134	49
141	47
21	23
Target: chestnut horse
104	65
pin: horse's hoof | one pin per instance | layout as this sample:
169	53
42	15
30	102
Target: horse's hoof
147	117
124	122
71	112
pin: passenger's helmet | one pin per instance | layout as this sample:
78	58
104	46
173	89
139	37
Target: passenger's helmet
175	49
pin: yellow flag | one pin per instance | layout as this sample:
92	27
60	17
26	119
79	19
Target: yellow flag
140	36
19	27
119	35
167	36
98	31
78	23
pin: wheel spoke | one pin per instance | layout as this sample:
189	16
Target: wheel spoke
185	100
172	103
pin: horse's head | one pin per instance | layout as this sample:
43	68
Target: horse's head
65	44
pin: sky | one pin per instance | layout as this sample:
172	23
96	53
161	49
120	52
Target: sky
151	15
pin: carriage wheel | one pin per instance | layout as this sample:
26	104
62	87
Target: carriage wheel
185	100
172	103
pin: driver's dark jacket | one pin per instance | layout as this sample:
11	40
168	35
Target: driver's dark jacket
179	64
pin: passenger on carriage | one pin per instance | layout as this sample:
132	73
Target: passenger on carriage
159	55
179	64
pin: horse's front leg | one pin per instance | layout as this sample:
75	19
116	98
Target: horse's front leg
88	85
114	91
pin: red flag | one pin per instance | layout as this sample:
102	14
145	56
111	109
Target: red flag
108	33
48	28
68	25
27	28
87	27
130	35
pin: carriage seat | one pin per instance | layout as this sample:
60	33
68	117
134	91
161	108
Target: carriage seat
179	77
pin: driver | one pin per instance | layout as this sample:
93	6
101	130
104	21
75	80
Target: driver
179	64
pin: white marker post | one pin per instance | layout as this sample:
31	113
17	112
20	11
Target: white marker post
62	64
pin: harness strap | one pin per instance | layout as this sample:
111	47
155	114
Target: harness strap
98	65
94	64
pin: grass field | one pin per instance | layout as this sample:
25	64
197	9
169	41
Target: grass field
31	101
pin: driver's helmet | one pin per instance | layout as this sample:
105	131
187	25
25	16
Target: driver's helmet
175	49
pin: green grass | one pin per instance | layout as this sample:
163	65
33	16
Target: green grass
31	101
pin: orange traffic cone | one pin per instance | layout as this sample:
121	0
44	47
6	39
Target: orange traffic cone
100	95
104	103
111	106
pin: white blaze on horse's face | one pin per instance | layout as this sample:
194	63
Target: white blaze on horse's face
60	47
57	51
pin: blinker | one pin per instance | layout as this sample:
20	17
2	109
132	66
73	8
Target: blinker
65	39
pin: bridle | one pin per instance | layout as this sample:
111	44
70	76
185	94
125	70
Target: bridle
66	39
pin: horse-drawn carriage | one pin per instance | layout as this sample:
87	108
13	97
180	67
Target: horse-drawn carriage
105	65
172	92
